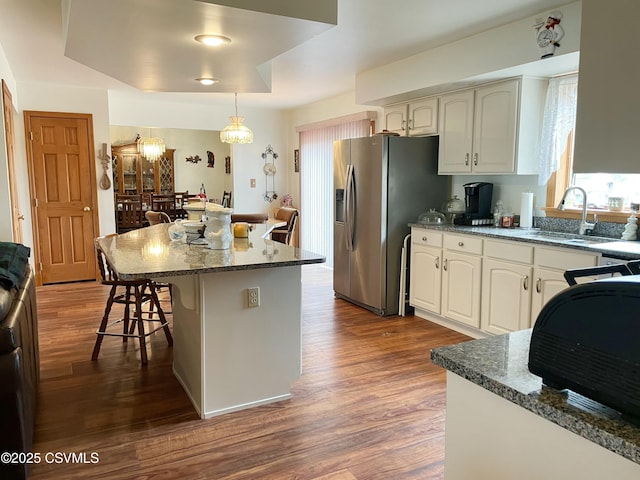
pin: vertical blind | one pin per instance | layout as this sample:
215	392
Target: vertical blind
316	183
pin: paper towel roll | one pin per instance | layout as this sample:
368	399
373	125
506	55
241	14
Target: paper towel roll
526	210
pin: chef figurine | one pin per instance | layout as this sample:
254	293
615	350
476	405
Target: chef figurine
549	34
630	229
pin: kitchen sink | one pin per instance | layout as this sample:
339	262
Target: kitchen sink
566	238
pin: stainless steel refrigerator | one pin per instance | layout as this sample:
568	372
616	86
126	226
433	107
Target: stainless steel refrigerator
381	184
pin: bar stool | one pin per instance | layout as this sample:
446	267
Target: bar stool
137	293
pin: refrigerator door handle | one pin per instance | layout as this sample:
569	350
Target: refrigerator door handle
350	213
345	207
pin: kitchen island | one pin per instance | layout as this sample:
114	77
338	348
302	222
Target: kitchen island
502	423
227	355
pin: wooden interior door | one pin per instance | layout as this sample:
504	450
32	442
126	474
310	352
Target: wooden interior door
16	216
63	190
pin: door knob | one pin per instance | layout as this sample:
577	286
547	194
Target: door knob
87	209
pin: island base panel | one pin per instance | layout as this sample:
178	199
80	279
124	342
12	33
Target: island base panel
488	438
228	356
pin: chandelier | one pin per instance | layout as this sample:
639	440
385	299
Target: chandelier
152	148
236	132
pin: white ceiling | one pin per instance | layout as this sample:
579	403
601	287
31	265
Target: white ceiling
121	38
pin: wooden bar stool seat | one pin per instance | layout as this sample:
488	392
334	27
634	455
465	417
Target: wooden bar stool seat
134	295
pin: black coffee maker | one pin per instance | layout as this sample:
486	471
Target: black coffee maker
477	204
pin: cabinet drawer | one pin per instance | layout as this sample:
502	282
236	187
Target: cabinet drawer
463	243
422	236
512	251
563	259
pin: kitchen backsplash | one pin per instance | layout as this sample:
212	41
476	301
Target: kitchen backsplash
603	229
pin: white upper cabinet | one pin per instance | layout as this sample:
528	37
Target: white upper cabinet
492	129
419	117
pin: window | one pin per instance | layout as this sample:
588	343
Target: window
556	163
316	179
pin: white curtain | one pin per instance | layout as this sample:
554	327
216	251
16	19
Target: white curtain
316	183
558	121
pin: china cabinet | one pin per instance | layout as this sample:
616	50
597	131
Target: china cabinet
133	173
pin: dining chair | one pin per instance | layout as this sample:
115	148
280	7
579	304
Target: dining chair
285	234
154	218
164	202
226	198
136	295
128	213
181	199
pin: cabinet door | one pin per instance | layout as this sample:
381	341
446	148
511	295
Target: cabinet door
547	283
461	279
425	278
455	125
494	131
129	181
423	117
395	118
164	176
506	296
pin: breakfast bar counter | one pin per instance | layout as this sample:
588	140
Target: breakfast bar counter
503	423
227	355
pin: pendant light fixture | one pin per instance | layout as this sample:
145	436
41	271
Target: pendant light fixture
236	132
152	148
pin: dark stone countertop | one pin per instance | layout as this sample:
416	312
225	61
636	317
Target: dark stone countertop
499	364
610	247
149	253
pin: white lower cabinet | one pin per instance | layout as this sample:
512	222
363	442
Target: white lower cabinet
506	296
425	280
506	286
548	274
493	286
462	278
547	283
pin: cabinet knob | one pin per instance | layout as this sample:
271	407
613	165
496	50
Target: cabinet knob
538	285
525	282
444	265
424	239
475	159
466	160
437	263
403	124
461	244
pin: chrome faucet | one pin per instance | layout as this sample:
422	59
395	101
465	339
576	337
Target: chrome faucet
585	227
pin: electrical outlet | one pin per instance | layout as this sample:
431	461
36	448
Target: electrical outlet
253	297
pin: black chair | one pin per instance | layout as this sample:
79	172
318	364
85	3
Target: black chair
136	295
631	268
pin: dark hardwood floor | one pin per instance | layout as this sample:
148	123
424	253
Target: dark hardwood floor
369	404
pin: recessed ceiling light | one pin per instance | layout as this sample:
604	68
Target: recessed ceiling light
212	40
207	81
